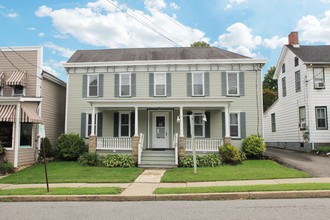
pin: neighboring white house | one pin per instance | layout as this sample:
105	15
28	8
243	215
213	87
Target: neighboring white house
298	120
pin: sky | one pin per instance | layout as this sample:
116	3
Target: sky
255	28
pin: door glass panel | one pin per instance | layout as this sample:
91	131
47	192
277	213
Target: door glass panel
160	127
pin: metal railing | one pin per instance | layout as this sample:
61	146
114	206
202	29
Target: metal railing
207	145
140	147
112	143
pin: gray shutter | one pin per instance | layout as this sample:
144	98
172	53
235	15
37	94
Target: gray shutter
132	124
223	84
189	92
207	83
188	125
151	84
223	124
83	125
115	124
133	84
116	85
99	124
208	125
84	86
243	125
168	85
241	84
101	85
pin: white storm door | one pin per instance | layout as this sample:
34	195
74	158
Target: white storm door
160	130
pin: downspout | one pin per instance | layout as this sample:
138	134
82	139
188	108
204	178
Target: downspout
308	110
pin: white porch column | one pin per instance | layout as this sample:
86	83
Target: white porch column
181	122
17	133
227	122
93	122
136	123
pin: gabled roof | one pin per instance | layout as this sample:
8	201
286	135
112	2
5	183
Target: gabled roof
145	54
312	54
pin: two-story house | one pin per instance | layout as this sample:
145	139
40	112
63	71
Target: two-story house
298	120
140	100
29	96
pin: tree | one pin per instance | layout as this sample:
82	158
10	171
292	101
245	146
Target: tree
269	97
200	44
269	86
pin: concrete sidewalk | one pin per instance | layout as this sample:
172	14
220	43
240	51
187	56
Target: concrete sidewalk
149	180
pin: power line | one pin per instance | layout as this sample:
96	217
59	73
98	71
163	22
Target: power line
9	60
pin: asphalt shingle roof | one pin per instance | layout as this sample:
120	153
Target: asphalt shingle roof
312	54
144	54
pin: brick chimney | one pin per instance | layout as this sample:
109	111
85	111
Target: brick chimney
293	39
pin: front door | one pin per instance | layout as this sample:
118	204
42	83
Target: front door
160	130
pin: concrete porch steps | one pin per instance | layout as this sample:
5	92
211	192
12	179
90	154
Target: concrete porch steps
158	159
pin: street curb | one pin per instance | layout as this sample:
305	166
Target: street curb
174	197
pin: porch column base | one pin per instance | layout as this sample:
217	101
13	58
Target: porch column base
92	144
227	140
135	148
182	148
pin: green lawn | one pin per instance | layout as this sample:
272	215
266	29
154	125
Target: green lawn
72	172
252	188
248	170
61	191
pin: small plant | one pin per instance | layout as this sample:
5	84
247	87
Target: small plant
118	160
323	150
89	159
209	160
229	154
70	147
254	147
6	168
48	148
2	149
188	161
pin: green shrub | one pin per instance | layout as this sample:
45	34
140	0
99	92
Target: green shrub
118	160
254	147
6	168
2	149
208	160
229	154
70	147
89	159
48	148
323	150
188	161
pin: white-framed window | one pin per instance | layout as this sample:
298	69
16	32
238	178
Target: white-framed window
321	118
124	124
160	84
89	124
283	87
302	117
296	61
297	81
125	84
232	83
273	122
1	91
283	68
6	134
235	129
26	135
198	84
319	81
199	123
93	85
18	90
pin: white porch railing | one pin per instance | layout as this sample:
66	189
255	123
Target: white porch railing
210	145
175	146
104	143
140	147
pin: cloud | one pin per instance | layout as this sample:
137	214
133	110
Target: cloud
174	6
325	1
275	42
51	70
113	25
231	3
41	34
315	30
64	52
239	39
12	15
32	29
55	68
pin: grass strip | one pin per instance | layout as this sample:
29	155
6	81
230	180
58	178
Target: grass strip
249	188
248	170
72	172
61	191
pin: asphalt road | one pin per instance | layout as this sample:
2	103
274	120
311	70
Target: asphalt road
317	166
247	209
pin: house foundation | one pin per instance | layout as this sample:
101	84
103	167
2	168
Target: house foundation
92	144
182	147
135	147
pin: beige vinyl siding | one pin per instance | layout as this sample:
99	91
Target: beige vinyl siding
53	109
26	156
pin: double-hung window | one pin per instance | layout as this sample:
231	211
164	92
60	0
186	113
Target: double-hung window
235	125
273	122
232	83
89	124
199	124
18	90
297	81
93	85
125	84
160	84
318	78
283	87
26	135
302	117
198	84
124	124
321	118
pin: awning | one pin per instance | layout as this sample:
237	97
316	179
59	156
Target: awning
2	79
17	78
28	113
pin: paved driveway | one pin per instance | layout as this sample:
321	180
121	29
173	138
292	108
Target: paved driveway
317	166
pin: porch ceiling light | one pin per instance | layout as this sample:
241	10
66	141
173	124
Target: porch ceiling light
204	118
178	119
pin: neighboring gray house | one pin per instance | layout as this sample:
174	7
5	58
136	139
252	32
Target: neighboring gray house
141	99
299	119
28	96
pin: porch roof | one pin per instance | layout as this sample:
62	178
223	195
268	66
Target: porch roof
156	103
